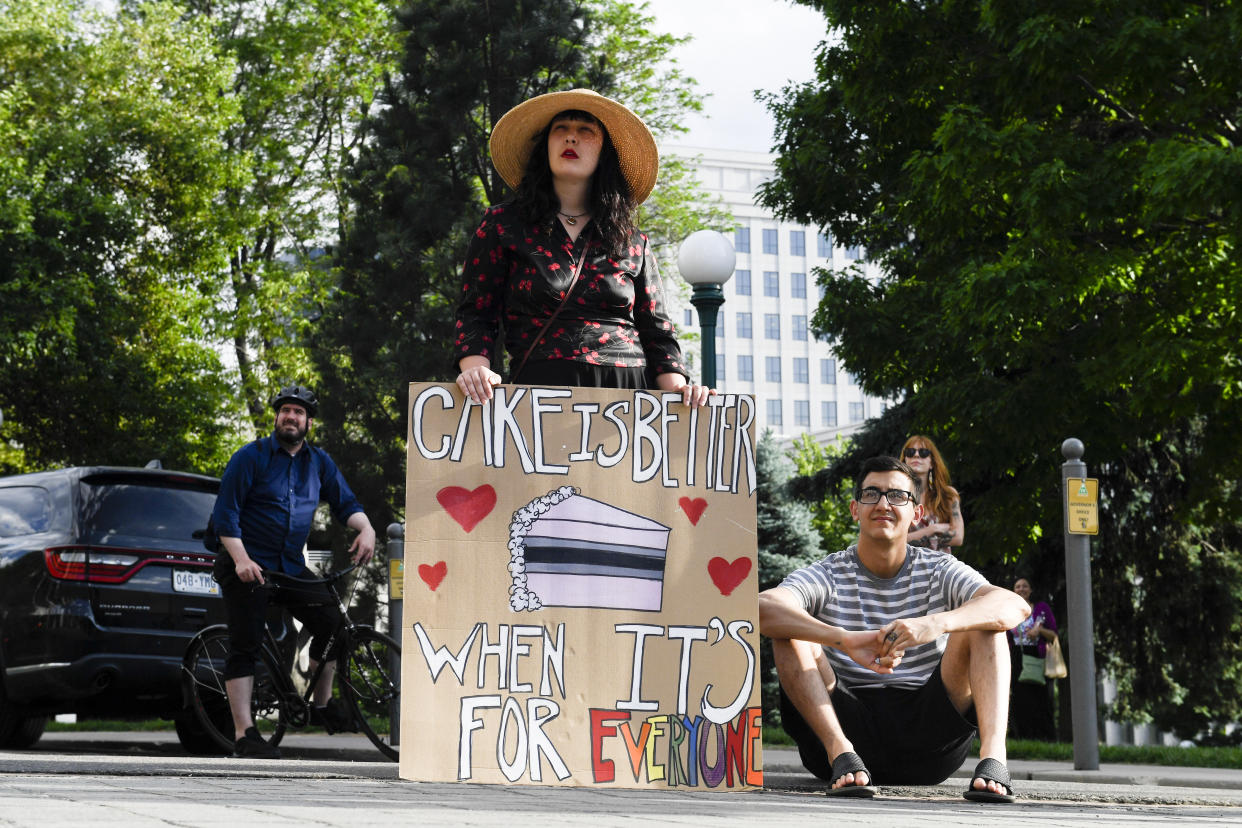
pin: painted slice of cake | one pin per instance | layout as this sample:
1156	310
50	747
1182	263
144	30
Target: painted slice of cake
569	550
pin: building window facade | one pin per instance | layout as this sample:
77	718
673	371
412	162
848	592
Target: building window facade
802	413
797	285
770	241
823	245
797	242
745	367
828	371
743	325
774	413
772	369
771	326
771	283
801	373
798	325
741	283
741	240
828	414
856	412
689	317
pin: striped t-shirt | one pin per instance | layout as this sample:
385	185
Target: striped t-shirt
840	591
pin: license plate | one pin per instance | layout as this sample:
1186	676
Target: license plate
197	582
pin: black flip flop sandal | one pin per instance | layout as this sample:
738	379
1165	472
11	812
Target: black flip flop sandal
989	770
850	762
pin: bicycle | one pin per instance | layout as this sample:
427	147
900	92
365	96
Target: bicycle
367	676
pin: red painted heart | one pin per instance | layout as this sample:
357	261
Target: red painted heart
693	508
433	575
726	576
467	507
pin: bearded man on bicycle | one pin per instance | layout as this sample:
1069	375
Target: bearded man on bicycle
268	496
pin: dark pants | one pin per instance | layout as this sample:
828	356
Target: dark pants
246	605
904	736
1030	704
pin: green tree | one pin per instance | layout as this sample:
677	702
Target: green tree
786	539
109	163
305	75
1051	190
830	511
422	180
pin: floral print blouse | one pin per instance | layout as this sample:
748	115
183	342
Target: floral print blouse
518	273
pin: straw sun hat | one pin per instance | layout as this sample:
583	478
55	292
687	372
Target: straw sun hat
514	136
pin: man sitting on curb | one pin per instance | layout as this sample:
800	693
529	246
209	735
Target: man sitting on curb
889	654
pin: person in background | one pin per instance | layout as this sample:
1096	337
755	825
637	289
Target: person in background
941	524
1030	707
268	496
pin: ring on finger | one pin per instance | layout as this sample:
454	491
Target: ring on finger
891	637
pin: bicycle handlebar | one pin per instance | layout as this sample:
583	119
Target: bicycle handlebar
328	579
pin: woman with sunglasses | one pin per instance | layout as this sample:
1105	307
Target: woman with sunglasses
941	525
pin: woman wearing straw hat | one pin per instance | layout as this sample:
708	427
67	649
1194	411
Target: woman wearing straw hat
563	265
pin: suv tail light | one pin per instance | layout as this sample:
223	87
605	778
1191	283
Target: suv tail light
110	565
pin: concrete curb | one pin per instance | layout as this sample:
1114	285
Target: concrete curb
316	755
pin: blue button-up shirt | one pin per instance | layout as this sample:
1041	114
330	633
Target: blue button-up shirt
268	498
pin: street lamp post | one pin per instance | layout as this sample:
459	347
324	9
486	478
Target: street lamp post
706	261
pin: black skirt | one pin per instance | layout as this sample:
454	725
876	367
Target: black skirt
581	375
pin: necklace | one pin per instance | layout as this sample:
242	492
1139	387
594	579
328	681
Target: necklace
572	219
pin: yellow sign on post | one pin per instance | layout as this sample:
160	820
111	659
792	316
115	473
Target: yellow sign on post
396	580
1082	507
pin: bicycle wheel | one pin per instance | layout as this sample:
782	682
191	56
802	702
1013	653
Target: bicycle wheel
370	684
202	676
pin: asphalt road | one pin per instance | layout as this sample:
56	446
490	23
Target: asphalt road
145	780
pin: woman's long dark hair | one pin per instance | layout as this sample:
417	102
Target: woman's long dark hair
612	207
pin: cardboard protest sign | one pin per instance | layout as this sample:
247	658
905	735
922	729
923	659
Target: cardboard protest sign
581	590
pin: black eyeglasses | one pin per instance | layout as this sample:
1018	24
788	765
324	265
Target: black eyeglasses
895	497
921	452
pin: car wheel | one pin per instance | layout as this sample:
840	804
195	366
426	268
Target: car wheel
18	731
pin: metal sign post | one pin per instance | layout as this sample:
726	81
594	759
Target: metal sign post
1081	520
396	583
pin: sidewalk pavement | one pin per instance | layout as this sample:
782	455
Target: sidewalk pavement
782	768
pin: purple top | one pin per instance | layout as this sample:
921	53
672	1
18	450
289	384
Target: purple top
1021	635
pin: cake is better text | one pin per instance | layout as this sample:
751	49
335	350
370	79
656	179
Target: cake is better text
522	419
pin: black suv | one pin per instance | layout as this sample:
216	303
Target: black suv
103	582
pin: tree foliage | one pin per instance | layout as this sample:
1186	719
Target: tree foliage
424	176
305	75
109	164
1052	192
830	510
786	540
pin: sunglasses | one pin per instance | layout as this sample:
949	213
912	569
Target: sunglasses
921	452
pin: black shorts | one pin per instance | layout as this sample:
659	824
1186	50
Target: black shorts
905	736
245	606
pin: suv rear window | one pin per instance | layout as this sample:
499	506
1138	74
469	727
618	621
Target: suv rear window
24	510
144	510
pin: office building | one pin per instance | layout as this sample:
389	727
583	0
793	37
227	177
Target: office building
764	346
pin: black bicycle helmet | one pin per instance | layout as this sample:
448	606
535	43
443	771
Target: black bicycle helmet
297	394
